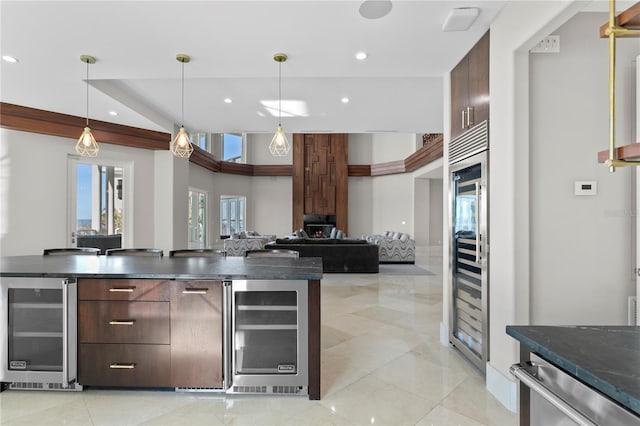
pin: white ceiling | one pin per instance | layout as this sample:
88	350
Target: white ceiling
231	43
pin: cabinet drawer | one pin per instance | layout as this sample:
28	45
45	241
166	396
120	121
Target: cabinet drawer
123	322
124	365
108	289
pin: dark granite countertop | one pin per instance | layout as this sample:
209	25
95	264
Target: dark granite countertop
606	358
217	268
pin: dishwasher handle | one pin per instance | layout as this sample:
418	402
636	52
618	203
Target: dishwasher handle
521	373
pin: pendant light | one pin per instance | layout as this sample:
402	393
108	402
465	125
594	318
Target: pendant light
87	145
181	146
279	145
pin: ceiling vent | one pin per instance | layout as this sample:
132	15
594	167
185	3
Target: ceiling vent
460	19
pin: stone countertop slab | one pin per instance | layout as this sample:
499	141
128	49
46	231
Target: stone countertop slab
607	358
131	267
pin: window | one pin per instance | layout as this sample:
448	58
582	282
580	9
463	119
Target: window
231	214
197	219
201	140
232	147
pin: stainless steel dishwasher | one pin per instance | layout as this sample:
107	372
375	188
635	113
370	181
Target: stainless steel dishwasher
556	398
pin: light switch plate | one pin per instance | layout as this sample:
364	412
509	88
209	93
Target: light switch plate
585	187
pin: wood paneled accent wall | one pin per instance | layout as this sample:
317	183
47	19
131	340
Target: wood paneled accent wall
320	177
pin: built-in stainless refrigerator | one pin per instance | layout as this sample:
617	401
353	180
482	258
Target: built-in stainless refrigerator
469	284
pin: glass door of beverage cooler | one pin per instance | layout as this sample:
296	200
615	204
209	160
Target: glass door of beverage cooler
269	341
39	342
469	324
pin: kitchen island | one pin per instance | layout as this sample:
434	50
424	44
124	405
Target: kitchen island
604	362
138	306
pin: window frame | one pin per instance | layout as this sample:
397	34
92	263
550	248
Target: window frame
196	193
243	147
240	216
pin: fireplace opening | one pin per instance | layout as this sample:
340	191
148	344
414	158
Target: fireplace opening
319	226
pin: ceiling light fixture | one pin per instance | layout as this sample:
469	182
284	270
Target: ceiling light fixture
181	146
228	100
375	9
345	100
361	56
460	19
279	145
113	113
87	145
8	58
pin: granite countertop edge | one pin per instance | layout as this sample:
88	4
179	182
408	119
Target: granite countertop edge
575	370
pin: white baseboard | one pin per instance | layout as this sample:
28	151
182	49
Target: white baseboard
503	389
444	334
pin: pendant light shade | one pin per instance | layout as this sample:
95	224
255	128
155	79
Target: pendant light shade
87	145
279	145
181	145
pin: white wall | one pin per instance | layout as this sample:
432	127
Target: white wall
372	148
271	205
422	212
435	212
33	198
580	245
518	27
361	207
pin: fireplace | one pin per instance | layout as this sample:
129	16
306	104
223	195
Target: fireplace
319	226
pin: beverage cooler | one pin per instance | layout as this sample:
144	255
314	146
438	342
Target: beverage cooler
468	166
39	337
267	349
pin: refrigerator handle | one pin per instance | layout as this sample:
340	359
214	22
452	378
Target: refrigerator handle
538	387
226	334
65	333
478	236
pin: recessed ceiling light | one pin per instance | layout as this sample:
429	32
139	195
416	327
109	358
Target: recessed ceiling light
114	113
228	100
8	58
345	100
361	56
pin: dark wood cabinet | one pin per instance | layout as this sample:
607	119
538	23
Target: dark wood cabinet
150	333
123	333
124	365
196	334
124	322
470	88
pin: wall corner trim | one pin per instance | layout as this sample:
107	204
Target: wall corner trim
502	388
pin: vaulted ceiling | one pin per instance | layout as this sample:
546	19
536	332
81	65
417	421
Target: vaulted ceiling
398	88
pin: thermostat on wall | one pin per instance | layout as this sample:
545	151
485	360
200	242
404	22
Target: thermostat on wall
585	187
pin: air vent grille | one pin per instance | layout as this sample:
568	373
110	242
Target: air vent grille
288	390
471	142
199	389
44	386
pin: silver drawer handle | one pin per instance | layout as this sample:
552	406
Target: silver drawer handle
122	289
122	322
535	385
119	366
195	291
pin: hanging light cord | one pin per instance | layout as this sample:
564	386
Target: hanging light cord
87	84
280	94
182	118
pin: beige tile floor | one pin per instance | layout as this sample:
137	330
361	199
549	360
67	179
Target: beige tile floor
382	364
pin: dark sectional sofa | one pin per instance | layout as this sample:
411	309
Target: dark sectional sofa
338	255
